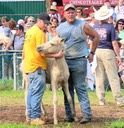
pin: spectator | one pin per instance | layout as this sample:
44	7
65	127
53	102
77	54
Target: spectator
111	21
120	32
31	19
4	21
52	31
28	25
119	10
25	19
119	26
8	70
53	13
107	3
21	22
79	13
106	54
18	40
74	31
55	21
12	25
93	20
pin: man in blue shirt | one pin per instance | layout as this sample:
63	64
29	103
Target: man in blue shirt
75	31
18	40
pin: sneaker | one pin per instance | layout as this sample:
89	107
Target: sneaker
37	121
69	119
101	103
85	120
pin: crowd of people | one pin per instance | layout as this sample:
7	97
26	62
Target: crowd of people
90	42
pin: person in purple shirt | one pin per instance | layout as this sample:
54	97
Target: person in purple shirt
107	56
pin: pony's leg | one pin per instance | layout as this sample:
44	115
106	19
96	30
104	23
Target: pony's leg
55	101
65	87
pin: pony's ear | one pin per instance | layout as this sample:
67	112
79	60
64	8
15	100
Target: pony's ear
62	40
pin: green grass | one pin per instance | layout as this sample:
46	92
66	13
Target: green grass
17	126
6	84
116	124
16	98
12	95
68	125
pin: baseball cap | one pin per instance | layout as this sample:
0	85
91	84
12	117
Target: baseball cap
106	1
7	31
68	6
44	17
20	27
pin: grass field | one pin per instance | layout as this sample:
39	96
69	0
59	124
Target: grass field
110	116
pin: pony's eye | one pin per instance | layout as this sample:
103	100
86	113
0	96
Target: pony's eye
52	44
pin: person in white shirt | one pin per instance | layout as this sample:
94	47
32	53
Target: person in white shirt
119	10
107	3
79	13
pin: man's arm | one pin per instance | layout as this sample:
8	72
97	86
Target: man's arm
8	46
90	31
57	55
117	51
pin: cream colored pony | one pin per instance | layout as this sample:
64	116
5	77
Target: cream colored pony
57	72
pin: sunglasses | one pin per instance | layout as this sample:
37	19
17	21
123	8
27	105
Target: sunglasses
31	20
53	27
121	23
78	12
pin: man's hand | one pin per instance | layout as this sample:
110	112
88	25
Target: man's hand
60	54
6	50
43	54
119	61
90	58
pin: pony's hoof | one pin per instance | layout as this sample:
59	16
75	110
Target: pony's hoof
75	119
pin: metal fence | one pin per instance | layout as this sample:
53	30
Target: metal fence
10	74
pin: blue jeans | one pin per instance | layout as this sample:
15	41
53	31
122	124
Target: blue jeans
78	70
37	82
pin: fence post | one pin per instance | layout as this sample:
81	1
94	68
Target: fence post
14	68
2	69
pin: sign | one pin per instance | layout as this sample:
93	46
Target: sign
18	0
88	2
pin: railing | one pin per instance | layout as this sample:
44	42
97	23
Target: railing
9	67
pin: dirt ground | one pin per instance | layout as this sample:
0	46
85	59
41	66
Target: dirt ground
101	115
